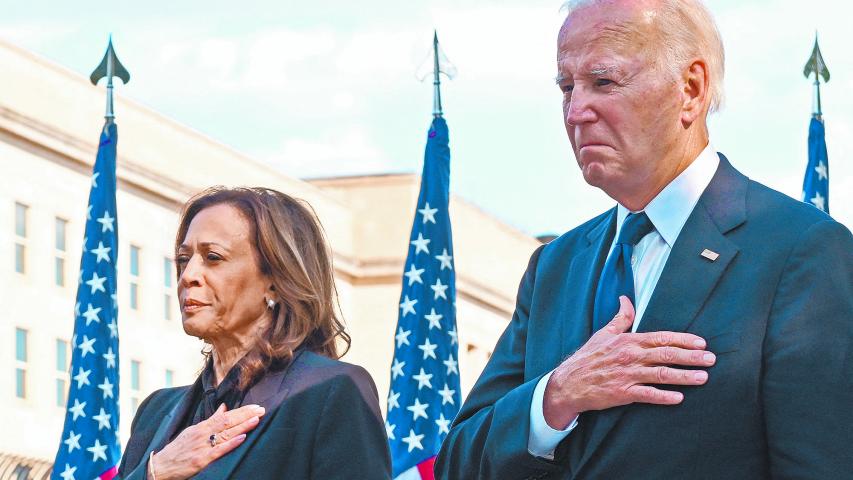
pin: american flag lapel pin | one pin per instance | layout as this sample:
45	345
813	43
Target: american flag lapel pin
710	255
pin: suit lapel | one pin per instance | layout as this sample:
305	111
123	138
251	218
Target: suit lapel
269	393
580	284
688	278
172	421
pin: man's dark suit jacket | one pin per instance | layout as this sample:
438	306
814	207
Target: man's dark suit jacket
322	421
776	307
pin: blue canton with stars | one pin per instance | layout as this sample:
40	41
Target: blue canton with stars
816	181
425	394
89	448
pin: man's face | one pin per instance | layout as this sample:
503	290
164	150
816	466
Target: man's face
621	110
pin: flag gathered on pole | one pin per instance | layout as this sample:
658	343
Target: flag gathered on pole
90	446
425	394
90	442
816	181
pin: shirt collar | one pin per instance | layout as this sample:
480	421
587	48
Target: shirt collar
670	209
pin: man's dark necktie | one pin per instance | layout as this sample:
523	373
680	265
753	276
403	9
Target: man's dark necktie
617	278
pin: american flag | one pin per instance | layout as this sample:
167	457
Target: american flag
816	181
89	448
425	393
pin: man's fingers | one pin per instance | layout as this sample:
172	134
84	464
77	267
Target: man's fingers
671	339
239	429
624	319
671	376
678	356
647	394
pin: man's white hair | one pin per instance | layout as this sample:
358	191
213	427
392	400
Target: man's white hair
687	30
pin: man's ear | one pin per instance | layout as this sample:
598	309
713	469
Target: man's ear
695	83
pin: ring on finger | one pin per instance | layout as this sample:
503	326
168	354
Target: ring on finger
213	439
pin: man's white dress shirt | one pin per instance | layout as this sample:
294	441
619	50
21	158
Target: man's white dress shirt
668	212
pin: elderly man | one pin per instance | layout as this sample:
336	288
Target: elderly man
702	328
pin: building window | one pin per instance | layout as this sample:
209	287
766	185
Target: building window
61	372
21	237
20	363
170	378
168	271
60	226
134	277
135	367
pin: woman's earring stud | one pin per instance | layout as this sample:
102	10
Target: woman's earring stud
270	303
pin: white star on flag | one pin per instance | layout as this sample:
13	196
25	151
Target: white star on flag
428	349
414	274
82	377
77	409
101	253
439	289
389	430
95	179
428	213
451	364
68	473
444	258
423	379
73	441
97	283
393	400
822	173
433	319
113	329
408	306
86	346
819	201
454	338
443	424
414	441
110	357
397	369
421	244
103	419
107	387
418	409
91	314
402	337
106	222
98	451
446	395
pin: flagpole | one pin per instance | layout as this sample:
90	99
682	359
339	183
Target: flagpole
816	179
436	79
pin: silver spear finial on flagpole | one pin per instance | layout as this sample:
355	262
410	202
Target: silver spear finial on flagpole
436	79
817	66
110	67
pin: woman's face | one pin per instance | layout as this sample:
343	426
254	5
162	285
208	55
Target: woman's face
220	287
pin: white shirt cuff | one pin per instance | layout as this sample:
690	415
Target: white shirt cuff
542	439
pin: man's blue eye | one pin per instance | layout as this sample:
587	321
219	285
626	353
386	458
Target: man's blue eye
567	88
602	82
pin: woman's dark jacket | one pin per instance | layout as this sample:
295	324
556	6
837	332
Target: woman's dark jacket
322	421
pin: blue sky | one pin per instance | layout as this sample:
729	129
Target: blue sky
329	88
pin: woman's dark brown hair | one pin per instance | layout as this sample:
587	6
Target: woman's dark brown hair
291	249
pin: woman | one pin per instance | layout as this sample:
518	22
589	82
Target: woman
255	283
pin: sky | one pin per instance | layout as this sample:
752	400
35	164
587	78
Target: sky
330	88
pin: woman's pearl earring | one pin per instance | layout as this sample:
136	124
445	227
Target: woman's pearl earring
270	303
